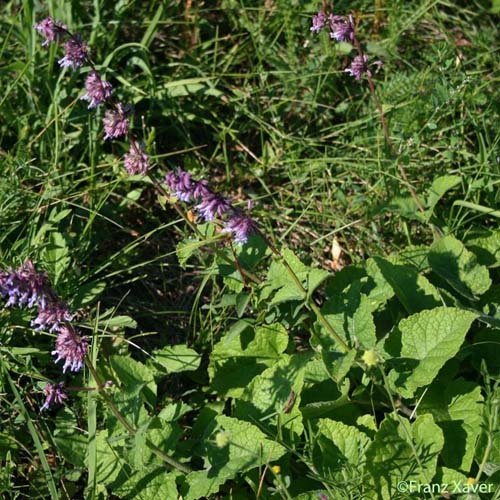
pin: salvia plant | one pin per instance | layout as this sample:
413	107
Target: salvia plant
377	381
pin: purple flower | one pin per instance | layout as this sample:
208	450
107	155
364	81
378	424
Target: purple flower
241	226
70	347
116	122
76	52
184	187
341	28
98	90
318	22
52	316
24	286
51	30
213	205
54	394
136	161
359	67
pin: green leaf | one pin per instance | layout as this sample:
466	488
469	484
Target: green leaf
287	288
244	447
242	354
186	248
274	395
72	446
487	248
174	411
163	435
110	462
403	452
116	322
350	314
135	377
56	256
177	358
314	279
152	483
363	326
457	407
450	260
339	446
412	289
438	189
428	340
87	293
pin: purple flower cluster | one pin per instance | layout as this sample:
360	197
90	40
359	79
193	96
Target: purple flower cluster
54	393
136	161
51	30
342	29
210	205
27	287
97	89
116	120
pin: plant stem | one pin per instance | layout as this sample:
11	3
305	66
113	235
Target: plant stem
385	128
492	428
310	303
130	429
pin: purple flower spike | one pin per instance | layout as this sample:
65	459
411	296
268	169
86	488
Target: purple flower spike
241	227
51	30
318	22
136	161
52	317
24	287
359	67
53	394
341	28
70	347
184	187
76	52
116	122
213	205
98	90
181	185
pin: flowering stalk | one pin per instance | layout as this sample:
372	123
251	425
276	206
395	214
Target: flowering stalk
116	120
184	187
343	29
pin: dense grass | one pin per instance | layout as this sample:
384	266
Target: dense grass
242	94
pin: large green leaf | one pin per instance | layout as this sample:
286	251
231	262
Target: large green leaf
242	354
457	408
177	358
281	285
233	447
428	340
438	189
152	483
402	451
449	258
135	377
412	289
339	447
56	256
486	247
274	395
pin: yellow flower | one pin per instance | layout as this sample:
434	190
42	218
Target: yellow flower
471	481
276	469
370	358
